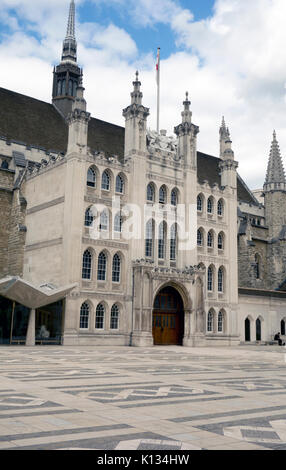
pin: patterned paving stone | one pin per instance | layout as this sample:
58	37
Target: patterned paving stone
167	398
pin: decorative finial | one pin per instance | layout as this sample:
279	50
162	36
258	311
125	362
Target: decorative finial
137	75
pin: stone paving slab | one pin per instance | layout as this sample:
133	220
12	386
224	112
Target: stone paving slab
158	398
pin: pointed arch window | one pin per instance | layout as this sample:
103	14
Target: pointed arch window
220	322
91	178
105	182
162	195
173	242
174	197
220	280
161	241
118	223
88	220
101	267
116	268
114	317
199	238
99	317
104	220
210	279
150	193
210	205
257	267
199	204
149	239
119	186
84	316
220	208
220	241
210	322
86	265
210	240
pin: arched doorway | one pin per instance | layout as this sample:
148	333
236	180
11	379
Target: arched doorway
258	329
283	327
168	317
247	330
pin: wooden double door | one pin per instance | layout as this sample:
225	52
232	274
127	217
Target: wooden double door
168	318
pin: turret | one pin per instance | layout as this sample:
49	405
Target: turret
135	121
228	165
275	191
67	74
78	123
187	136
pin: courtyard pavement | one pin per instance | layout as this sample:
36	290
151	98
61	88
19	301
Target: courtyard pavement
161	398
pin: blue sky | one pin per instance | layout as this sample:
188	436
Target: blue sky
147	38
228	54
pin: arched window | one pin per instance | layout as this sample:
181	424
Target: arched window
101	267
104	220
199	204
210	324
210	205
86	265
114	317
84	316
200	239
257	267
150	193
174	197
220	280
282	325
210	279
161	241
116	268
59	91
119	186
4	165
91	178
99	317
162	195
105	181
220	208
74	88
118	223
210	240
70	88
220	241
149	239
173	242
220	322
88	220
258	329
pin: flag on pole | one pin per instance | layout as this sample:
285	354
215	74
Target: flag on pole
158	66
158	88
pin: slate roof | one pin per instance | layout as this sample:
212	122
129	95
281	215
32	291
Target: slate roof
37	123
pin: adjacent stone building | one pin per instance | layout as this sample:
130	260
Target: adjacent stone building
123	236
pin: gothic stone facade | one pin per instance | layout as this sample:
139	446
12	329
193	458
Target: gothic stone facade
73	188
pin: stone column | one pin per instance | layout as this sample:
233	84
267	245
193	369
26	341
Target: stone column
30	338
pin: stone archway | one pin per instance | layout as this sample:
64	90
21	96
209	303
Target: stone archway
168	317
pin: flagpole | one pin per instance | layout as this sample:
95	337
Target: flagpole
158	90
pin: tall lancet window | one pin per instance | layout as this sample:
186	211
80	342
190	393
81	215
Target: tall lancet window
161	241
149	239
173	243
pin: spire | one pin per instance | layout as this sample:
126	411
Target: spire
187	114
224	135
67	74
71	22
136	95
275	176
69	44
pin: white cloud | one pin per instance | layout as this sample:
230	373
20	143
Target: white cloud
232	64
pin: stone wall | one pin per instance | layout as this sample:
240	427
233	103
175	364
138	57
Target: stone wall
6	196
